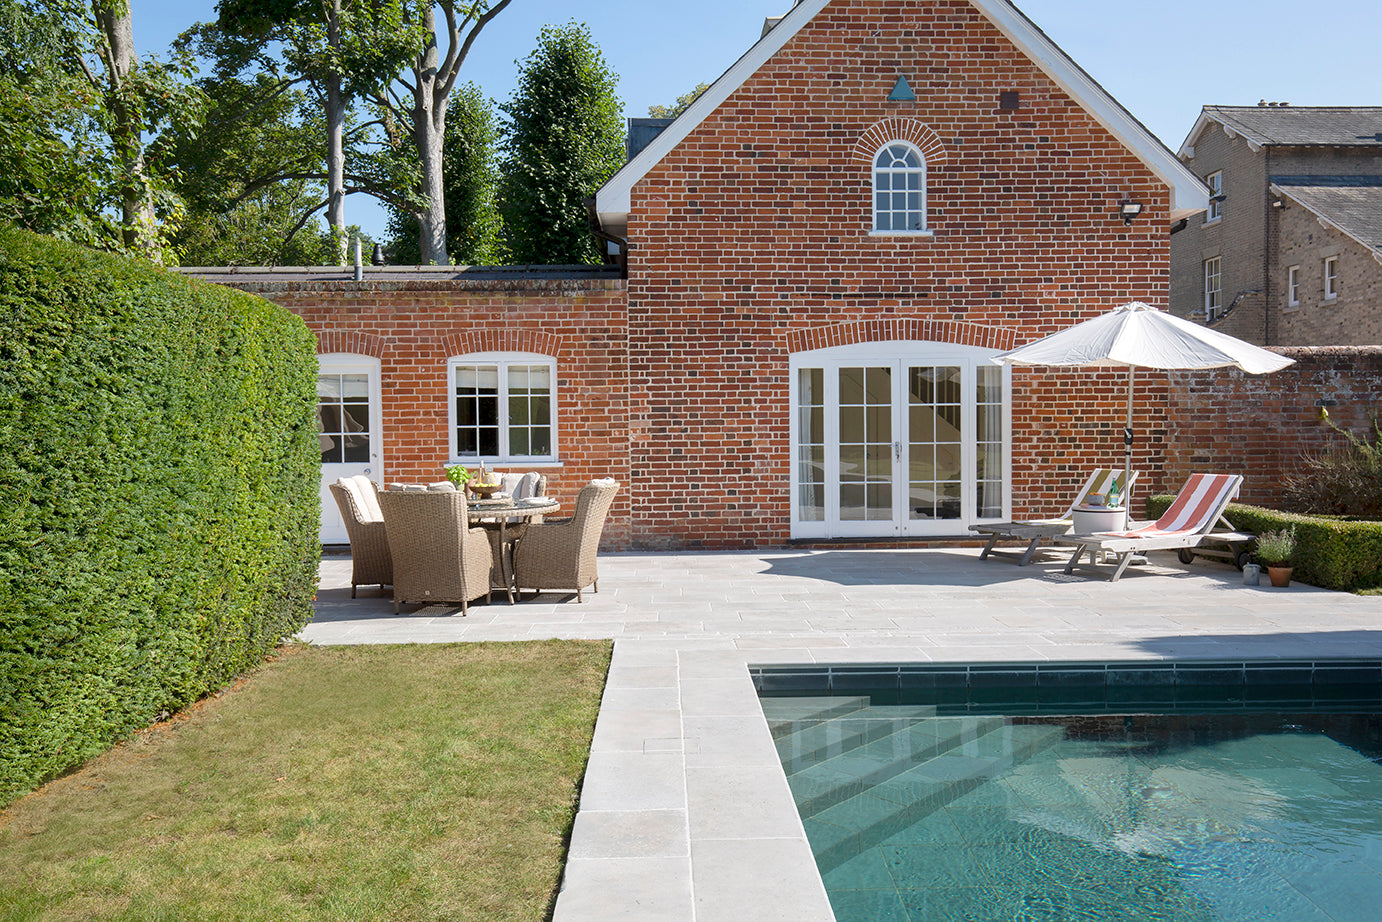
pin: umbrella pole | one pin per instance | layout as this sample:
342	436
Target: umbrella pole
1127	459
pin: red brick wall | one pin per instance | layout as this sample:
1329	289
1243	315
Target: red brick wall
414	327
1261	425
752	236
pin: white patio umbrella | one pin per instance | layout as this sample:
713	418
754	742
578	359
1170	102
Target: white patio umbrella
1138	336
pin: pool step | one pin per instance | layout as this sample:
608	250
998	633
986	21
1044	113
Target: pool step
892	800
840	760
788	715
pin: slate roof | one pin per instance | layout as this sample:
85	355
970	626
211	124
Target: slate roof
1353	204
1302	125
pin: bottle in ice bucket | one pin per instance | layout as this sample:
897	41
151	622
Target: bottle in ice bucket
1113	497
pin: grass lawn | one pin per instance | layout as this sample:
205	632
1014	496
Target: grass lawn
402	782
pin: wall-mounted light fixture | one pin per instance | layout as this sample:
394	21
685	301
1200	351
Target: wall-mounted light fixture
1129	210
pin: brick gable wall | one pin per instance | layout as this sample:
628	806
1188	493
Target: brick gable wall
752	237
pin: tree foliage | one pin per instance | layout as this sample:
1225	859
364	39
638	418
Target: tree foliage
473	227
680	106
433	74
84	125
563	138
341	51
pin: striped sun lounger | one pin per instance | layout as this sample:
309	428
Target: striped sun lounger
1033	531
1197	510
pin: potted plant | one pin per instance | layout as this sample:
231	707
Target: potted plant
458	476
1275	549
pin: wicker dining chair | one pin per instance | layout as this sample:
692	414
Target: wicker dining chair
437	555
370	562
561	554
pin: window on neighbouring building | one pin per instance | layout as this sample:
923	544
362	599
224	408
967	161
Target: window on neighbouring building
899	189
1215	181
502	407
1213	299
1293	286
1331	277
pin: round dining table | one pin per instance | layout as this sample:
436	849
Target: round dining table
506	519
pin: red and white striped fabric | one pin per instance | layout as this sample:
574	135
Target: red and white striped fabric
1198	504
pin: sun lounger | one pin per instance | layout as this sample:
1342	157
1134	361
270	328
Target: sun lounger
1194	515
1099	482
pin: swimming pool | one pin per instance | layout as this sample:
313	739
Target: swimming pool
1025	797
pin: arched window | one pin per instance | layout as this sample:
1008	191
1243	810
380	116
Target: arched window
899	189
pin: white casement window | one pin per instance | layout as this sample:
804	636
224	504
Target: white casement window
1331	278
1215	181
1213	298
899	190
1293	286
502	407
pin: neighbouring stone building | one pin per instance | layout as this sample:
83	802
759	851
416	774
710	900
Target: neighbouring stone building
1290	250
823	254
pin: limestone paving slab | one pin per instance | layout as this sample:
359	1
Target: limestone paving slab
685	814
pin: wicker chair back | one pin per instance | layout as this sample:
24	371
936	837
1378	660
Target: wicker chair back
437	556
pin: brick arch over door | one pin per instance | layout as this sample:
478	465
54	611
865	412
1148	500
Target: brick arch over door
876	331
899	129
352	342
499	340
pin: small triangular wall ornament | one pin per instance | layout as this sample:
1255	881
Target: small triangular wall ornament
902	92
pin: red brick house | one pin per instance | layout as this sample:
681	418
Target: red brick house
823	253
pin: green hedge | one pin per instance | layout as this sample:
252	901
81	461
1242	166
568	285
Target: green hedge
1330	552
158	496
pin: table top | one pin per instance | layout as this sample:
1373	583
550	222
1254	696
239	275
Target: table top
493	508
1082	508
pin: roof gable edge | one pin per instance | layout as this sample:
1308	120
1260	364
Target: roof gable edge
614	197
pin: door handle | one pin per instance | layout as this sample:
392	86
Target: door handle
897	451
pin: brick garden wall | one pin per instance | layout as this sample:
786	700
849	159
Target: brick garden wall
1261	425
753	234
414	327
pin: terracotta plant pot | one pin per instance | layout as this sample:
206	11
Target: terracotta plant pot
1281	576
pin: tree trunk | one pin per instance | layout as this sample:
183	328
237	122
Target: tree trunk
335	144
429	129
138	221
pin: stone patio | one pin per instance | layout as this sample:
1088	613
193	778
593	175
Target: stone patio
685	812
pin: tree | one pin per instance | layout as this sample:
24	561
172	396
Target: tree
83	119
563	138
433	78
252	131
680	106
470	201
345	49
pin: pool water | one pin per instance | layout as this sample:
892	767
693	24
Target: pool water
917	815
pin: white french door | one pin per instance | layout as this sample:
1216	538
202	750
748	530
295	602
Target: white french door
348	430
898	439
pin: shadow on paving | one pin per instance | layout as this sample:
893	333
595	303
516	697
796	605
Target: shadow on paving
938	567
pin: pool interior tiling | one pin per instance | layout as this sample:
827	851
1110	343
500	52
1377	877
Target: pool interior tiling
926	812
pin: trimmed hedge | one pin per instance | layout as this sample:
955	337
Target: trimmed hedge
1333	553
158	496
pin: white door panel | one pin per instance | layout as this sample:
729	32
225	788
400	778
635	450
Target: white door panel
348	430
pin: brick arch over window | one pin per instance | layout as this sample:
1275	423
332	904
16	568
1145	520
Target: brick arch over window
877	331
499	340
350	341
899	129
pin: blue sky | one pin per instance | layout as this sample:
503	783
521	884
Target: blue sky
1163	60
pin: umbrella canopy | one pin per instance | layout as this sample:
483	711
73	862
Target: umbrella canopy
1136	335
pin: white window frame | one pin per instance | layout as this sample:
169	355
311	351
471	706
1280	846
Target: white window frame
1293	286
1331	278
875	231
1215	294
1215	181
503	360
